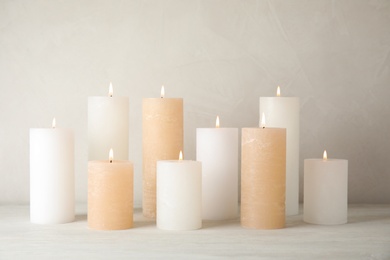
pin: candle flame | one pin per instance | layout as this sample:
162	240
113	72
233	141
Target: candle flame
180	156
162	92
217	122
110	90
111	155
53	123
262	124
278	92
325	156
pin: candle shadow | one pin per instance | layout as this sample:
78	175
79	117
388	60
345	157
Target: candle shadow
222	223
295	223
141	221
81	217
365	219
351	220
368	213
142	224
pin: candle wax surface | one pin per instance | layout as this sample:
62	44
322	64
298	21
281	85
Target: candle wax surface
110	195
179	195
52	185
217	149
263	178
162	139
325	191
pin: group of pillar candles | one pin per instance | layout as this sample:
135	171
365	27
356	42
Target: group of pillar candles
180	193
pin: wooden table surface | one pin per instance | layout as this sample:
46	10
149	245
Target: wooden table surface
365	236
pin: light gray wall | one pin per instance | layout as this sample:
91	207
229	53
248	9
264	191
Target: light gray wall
220	56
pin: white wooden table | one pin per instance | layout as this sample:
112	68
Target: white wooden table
366	236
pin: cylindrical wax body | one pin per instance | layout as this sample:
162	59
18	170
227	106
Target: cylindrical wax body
162	139
217	149
51	176
179	195
283	112
110	195
263	178
325	191
108	127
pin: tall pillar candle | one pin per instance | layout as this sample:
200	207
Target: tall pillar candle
179	195
325	191
110	194
162	139
263	178
217	149
108	126
283	112
51	175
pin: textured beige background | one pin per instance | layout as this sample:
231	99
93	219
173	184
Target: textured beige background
220	56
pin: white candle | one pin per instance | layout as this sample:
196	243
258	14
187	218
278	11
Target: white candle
325	191
283	112
51	175
179	195
217	149
108	126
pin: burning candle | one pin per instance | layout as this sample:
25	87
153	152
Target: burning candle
51	175
108	126
325	191
283	112
217	149
179	194
162	139
263	177
110	194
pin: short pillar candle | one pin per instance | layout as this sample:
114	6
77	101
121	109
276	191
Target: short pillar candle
110	194
325	191
179	195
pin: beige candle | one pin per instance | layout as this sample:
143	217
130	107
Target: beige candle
110	195
162	139
263	178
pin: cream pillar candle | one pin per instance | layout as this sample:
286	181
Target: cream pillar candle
110	194
162	139
217	149
51	175
263	178
179	195
283	112
108	126
325	191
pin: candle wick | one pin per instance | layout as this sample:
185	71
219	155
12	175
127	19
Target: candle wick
110	161
263	127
